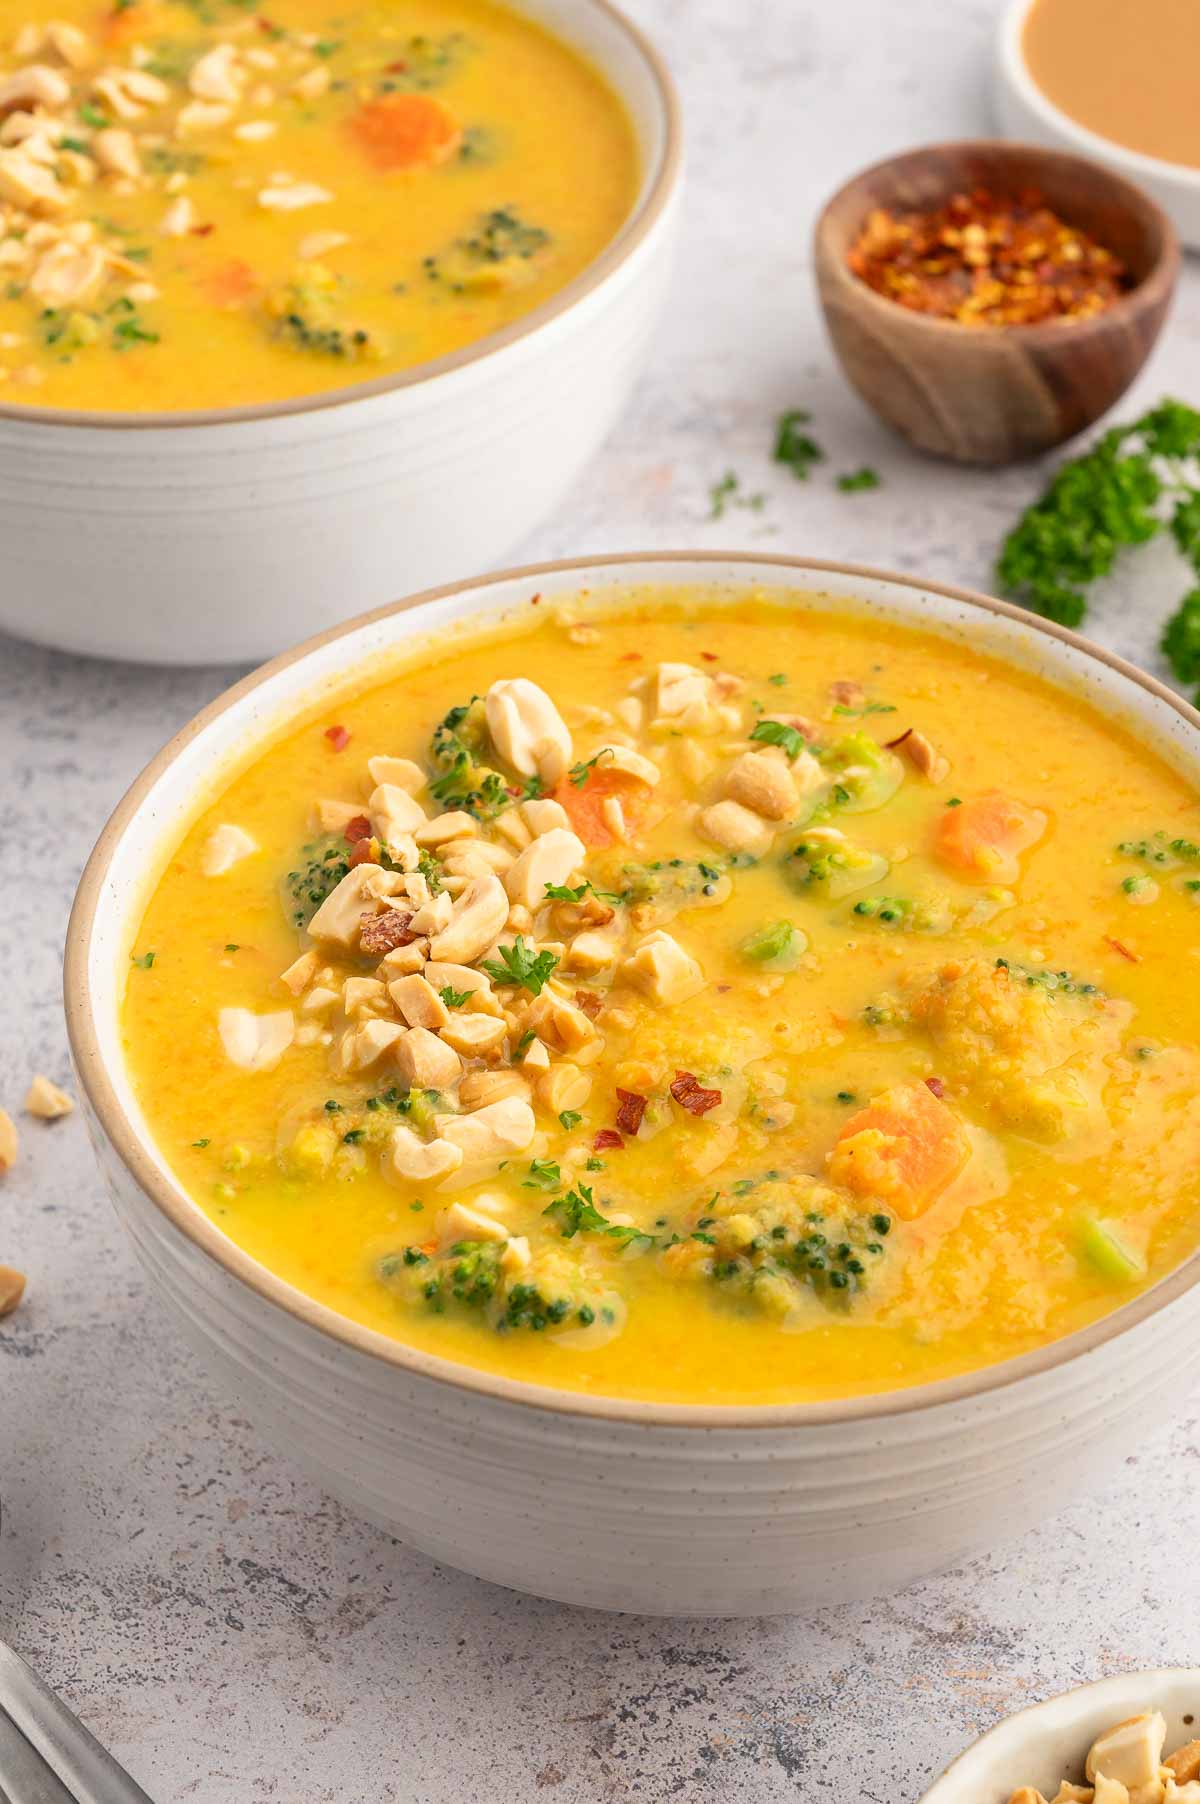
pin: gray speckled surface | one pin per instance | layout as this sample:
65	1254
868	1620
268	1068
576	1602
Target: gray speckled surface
224	1627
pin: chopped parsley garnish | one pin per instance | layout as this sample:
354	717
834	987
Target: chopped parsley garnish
145	962
201	1143
519	964
93	116
523	1044
777	732
453	998
779	679
544	1174
576	1213
579	773
793	446
729	493
864	478
569	1118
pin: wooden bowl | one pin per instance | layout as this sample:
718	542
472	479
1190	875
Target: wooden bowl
994	394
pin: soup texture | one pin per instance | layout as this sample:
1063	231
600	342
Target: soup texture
710	1000
210	203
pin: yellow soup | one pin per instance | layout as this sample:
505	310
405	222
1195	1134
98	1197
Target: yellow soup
208	203
701	1002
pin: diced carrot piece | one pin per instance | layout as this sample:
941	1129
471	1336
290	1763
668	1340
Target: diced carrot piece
233	284
584	802
406	131
123	24
903	1149
982	839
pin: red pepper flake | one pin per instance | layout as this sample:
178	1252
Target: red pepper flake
630	657
690	1095
535	599
891	744
984	259
201	231
589	1002
630	1111
607	1141
366	851
378	934
396	68
936	1087
710	657
358	828
1135	958
338	737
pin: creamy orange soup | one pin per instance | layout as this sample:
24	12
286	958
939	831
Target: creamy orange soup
1124	68
711	1001
210	203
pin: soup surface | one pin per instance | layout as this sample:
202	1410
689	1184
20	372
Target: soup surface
211	203
1124	68
709	1001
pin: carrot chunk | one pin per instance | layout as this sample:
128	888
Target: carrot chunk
983	838
405	131
903	1148
232	284
584	803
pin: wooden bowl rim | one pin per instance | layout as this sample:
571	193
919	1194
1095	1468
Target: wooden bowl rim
1154	287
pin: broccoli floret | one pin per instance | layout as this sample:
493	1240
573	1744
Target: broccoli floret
322	865
456	753
770	1244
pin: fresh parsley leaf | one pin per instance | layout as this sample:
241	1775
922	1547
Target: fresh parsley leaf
201	1143
92	115
544	1174
793	446
579	773
779	679
569	1118
729	493
562	892
576	1213
519	964
145	962
522	1046
777	732
867	708
451	997
865	478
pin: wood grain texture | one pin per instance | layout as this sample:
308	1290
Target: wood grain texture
994	395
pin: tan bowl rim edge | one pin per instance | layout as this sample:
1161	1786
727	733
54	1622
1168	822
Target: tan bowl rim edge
632	232
1158	281
1012	53
188	1218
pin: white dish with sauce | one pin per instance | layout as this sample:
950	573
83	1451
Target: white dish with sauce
221	536
1024	111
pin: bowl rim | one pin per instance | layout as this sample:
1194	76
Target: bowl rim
945	1787
1154	287
181	1213
1092	144
661	183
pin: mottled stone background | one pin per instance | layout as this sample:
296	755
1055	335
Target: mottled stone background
224	1627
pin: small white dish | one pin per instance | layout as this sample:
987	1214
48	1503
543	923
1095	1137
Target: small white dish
1023	111
220	536
1049	1741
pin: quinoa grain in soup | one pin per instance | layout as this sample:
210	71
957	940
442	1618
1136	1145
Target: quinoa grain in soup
708	1001
212	203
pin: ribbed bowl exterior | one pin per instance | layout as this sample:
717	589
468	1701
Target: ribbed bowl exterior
218	543
639	1507
673	1521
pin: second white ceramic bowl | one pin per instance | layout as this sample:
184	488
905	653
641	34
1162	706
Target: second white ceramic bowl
631	1506
1023	111
1049	1741
222	537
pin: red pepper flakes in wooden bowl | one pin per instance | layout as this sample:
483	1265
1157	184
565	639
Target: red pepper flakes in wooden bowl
986	259
990	396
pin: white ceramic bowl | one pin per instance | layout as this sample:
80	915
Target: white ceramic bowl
1023	111
634	1506
1049	1742
223	536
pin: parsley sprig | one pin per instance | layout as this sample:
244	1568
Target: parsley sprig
1134	482
519	964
